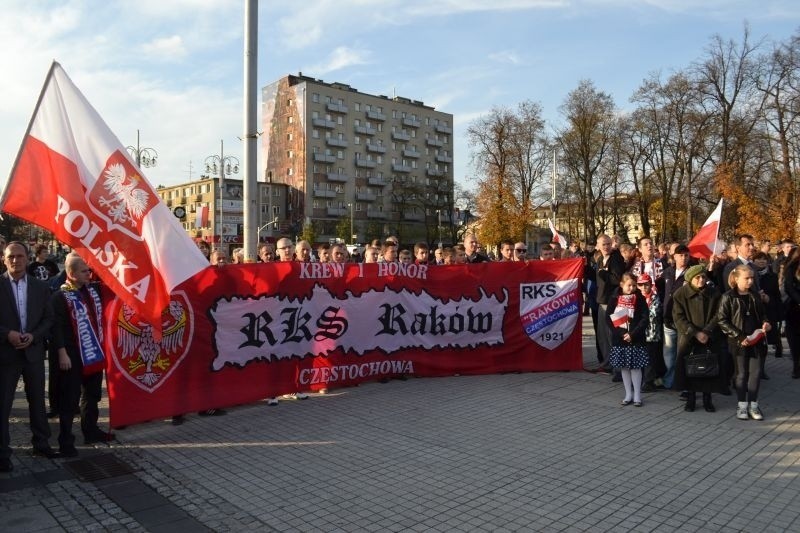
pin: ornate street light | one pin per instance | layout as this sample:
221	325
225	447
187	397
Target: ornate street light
221	165
145	157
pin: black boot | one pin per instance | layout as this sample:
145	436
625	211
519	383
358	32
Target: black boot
690	402
707	405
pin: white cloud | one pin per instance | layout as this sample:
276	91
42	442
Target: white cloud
339	58
505	56
165	48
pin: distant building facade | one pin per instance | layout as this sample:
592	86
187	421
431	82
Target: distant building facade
385	164
217	216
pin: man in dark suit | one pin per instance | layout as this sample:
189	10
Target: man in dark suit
25	320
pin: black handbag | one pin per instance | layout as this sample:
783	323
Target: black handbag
702	363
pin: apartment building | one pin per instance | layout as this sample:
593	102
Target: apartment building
385	164
216	215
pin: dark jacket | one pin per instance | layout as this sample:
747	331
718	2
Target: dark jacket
609	271
694	311
39	313
731	320
666	286
638	324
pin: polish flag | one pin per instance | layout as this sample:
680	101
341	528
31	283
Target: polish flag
619	318
201	220
756	337
74	178
704	244
558	237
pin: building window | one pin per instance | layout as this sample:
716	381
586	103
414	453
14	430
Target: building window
290	119
314	114
340	120
357	106
289	136
315	134
356	140
289	154
289	102
340	154
288	171
315	97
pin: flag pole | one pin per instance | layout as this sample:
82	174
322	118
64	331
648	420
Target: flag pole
28	130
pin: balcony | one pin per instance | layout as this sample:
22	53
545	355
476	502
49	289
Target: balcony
408	215
337	108
375	115
338	211
323	123
324	158
198	197
374	213
441	128
412	153
380	182
333	176
341	143
366	130
434	172
365	163
401	168
324	193
366	196
376	148
183	200
414	123
434	142
401	136
444	159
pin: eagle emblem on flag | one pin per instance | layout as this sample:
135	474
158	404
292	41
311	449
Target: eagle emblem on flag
142	359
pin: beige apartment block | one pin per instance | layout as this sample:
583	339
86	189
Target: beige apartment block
383	164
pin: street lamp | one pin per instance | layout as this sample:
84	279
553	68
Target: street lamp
144	156
352	237
439	217
222	164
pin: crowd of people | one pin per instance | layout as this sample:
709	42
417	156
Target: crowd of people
662	320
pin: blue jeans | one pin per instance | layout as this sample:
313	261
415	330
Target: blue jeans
670	354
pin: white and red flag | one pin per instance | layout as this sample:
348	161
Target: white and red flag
202	217
74	178
704	244
558	237
619	318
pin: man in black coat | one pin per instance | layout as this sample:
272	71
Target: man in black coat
25	321
610	267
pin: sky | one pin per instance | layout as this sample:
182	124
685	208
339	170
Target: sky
173	69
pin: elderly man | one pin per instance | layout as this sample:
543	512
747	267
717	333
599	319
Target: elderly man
26	318
77	307
520	251
285	253
266	253
610	267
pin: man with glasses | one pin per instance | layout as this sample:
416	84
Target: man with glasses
285	253
520	251
26	318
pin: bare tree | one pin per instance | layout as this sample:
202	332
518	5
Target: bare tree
585	142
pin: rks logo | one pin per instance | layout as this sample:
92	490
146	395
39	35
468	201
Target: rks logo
549	311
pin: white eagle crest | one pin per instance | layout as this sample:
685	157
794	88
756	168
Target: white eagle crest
138	344
127	203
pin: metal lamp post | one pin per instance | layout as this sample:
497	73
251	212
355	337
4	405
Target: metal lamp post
351	206
145	157
222	164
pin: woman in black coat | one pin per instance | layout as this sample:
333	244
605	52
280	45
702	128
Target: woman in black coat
790	289
694	310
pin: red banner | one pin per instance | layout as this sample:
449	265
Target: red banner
241	333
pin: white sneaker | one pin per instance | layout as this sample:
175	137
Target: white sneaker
741	412
296	396
755	412
272	401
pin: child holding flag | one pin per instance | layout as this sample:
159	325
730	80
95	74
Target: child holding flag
627	320
743	320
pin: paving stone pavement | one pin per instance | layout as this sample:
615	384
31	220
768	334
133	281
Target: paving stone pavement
511	452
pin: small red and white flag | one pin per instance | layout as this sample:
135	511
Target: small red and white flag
201	220
558	237
619	318
74	178
756	337
704	244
